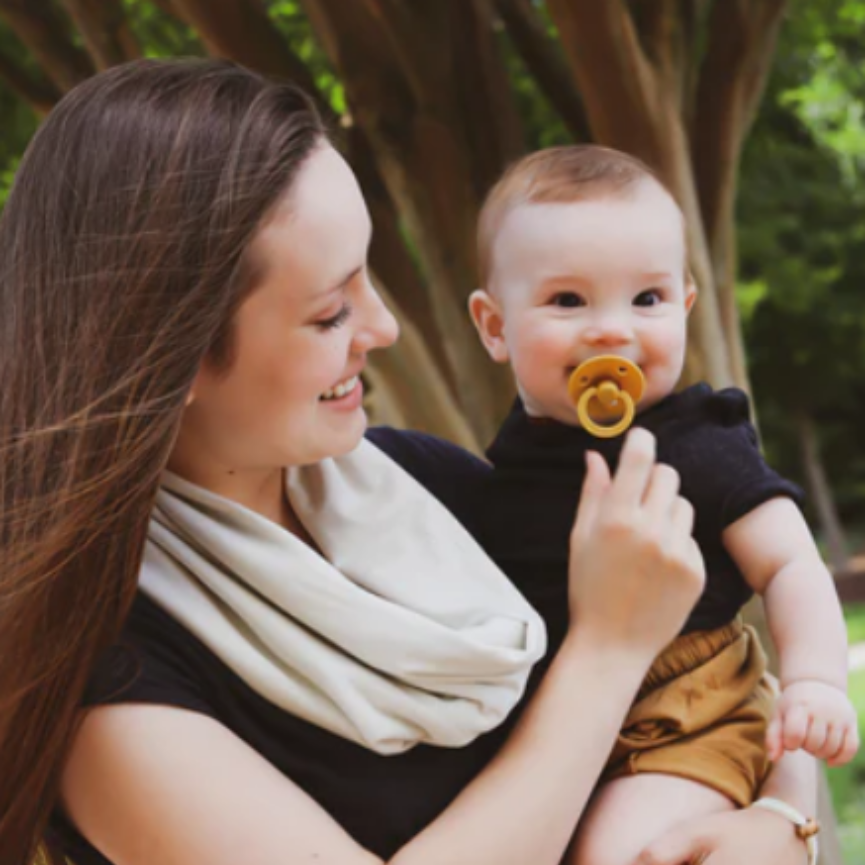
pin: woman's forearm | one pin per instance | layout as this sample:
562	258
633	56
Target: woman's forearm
525	805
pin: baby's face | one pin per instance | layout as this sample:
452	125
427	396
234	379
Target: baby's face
573	281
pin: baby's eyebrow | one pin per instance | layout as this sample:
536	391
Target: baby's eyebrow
661	274
564	279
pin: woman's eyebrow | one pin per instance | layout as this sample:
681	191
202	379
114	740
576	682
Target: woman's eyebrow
345	280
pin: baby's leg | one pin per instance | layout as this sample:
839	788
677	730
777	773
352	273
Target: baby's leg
628	813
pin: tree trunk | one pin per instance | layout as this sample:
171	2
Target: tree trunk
821	494
409	390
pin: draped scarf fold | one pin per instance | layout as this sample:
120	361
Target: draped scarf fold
399	631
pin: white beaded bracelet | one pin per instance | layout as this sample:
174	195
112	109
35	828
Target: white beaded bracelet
806	827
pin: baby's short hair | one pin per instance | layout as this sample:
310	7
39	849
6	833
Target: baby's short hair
566	174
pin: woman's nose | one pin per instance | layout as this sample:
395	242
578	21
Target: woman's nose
377	325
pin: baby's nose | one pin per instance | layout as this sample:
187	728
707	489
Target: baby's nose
609	331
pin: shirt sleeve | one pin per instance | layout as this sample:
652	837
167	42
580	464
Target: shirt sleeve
731	478
155	661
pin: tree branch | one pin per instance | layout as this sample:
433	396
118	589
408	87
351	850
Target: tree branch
661	31
388	256
742	40
38	91
611	69
167	6
417	59
105	30
353	39
543	58
46	34
241	30
732	79
484	101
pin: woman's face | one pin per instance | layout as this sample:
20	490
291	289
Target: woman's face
292	395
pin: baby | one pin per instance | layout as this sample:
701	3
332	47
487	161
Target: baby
583	253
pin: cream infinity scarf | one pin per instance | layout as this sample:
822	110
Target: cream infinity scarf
402	632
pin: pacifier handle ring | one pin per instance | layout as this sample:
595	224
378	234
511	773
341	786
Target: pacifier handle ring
597	429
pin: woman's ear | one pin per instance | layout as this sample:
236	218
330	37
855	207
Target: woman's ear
193	390
486	313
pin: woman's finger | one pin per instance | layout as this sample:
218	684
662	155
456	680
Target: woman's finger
660	495
595	484
634	470
682	542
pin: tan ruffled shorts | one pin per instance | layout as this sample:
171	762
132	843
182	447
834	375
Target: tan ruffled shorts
702	714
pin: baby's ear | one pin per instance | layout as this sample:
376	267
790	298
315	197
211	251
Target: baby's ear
690	292
486	313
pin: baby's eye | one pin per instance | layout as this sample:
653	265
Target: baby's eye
649	297
567	300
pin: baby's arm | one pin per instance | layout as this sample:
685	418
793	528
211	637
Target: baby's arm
773	548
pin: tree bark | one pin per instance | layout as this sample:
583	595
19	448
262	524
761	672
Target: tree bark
388	255
105	29
821	494
46	33
409	390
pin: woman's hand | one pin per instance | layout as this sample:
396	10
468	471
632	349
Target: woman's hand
635	571
748	837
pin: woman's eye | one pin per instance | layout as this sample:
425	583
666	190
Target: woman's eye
567	300
650	297
336	320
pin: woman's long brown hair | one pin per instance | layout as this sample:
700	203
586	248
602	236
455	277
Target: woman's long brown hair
121	265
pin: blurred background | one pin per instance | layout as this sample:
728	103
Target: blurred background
753	111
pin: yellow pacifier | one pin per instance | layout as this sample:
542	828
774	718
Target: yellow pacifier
605	391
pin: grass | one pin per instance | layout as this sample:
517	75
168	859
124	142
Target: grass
855	616
847	783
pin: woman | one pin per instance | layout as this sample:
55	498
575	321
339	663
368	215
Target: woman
186	311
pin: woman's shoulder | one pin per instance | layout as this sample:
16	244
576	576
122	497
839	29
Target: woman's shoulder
418	451
155	660
451	473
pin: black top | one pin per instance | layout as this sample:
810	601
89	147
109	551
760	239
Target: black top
382	801
530	498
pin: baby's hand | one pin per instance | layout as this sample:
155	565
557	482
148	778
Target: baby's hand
815	716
